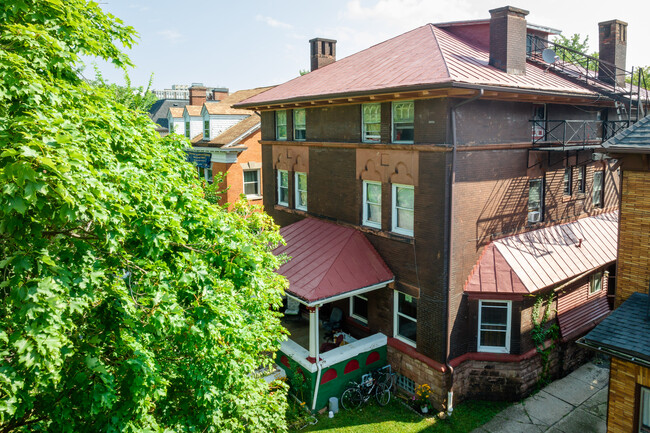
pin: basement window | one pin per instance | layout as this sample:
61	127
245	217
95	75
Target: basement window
403	115
406	384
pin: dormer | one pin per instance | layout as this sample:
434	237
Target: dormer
217	117
192	121
175	120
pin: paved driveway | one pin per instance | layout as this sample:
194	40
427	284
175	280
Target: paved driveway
575	403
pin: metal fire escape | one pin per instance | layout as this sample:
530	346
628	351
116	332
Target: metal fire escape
626	89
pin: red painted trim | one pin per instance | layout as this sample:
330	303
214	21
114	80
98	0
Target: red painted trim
311	359
351	366
410	351
311	309
494	357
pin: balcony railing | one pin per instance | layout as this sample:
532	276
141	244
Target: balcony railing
575	132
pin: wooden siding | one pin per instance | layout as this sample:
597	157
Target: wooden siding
633	259
624	380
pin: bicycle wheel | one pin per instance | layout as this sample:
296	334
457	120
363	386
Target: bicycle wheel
387	379
351	399
382	393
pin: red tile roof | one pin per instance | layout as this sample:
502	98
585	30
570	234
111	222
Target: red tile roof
531	261
329	260
427	56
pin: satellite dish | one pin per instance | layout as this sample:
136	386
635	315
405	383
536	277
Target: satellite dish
549	55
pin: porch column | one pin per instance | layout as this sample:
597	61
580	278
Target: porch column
313	334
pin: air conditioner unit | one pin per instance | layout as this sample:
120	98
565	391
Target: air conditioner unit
534	217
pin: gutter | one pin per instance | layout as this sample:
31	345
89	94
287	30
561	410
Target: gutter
450	234
613	352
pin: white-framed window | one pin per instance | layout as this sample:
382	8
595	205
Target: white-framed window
283	187
405	318
281	125
187	129
403	209
494	319
402	125
568	178
371	123
597	196
644	410
359	308
299	124
582	179
252	183
535	200
372	204
596	283
206	174
206	129
301	190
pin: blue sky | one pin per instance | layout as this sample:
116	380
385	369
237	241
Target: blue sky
246	44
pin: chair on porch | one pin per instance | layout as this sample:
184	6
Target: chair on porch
293	308
335	321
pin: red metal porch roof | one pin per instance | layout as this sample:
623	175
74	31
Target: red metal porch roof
329	260
531	261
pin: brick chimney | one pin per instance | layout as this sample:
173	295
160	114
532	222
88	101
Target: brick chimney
508	39
198	94
612	47
219	94
323	52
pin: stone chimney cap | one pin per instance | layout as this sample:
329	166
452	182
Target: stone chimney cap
509	9
322	40
611	22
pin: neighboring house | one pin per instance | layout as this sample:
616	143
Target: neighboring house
625	334
175	121
159	113
226	140
461	171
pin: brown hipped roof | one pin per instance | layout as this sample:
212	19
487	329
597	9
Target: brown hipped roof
329	260
426	57
528	262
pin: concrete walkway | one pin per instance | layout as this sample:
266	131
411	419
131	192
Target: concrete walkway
576	403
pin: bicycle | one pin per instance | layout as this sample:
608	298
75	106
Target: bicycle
359	393
386	375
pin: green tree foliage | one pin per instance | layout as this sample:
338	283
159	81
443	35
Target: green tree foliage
127	302
136	98
644	71
576	43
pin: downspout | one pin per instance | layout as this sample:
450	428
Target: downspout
450	230
318	361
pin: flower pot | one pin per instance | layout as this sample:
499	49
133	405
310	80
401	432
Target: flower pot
425	409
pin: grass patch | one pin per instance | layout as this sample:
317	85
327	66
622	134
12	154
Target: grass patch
395	418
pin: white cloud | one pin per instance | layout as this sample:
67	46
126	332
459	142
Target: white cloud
171	35
273	22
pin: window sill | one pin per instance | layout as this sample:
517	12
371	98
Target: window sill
405	341
566	198
253	197
287	209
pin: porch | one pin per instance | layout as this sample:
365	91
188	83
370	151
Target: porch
329	263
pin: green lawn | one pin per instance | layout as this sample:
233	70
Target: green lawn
396	418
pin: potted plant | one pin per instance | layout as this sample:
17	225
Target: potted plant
421	397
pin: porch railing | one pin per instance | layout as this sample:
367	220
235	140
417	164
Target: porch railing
575	131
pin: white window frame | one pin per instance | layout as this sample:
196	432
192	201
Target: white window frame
364	133
644	410
206	129
392	121
539	208
206	174
494	349
257	183
297	126
397	315
596	283
598	192
395	227
297	190
353	314
278	136
279	180
366	221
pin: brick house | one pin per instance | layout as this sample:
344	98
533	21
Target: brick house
224	140
471	168
625	334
